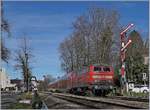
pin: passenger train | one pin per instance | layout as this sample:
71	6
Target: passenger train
91	80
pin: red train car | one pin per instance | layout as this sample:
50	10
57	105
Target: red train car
94	79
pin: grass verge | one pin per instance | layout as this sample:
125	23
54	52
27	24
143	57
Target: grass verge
23	96
20	106
27	95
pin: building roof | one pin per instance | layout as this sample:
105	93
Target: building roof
16	81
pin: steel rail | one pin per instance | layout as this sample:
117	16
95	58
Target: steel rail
139	99
102	103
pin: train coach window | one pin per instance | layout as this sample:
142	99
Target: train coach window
97	68
106	69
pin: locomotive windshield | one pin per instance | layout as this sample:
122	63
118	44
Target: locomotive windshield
97	69
106	69
100	69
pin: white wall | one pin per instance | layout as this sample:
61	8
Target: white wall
4	79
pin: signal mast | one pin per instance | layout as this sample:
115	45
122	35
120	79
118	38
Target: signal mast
124	44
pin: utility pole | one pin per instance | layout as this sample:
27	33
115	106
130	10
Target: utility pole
124	44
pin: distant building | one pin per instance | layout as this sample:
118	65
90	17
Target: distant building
17	82
4	80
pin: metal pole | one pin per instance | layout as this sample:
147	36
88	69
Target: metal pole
122	55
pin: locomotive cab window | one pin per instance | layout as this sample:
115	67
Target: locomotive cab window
97	69
106	69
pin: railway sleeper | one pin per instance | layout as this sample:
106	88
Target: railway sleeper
101	104
96	104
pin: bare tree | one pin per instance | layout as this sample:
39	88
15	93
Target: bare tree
5	52
47	79
5	27
91	41
67	55
23	60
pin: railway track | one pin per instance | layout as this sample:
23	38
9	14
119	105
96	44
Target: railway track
52	102
139	99
102	103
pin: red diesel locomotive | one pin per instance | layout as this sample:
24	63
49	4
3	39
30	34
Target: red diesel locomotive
97	80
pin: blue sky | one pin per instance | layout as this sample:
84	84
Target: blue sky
47	23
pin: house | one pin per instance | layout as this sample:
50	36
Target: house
5	81
17	82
